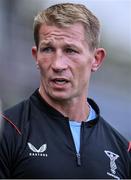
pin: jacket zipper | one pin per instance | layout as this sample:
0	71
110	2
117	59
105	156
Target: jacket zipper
78	154
78	157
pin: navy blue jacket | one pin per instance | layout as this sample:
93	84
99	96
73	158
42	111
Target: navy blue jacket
36	142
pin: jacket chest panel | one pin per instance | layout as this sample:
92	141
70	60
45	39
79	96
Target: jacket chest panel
51	157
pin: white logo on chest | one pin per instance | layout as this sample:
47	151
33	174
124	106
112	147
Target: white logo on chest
37	152
113	166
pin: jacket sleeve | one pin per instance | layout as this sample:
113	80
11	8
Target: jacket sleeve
8	141
129	151
4	153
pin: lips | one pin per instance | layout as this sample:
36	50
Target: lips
60	81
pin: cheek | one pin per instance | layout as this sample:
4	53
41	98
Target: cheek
85	68
84	73
43	60
44	65
43	70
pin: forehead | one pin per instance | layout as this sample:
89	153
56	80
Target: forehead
75	32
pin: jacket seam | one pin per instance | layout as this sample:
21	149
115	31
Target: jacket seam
11	123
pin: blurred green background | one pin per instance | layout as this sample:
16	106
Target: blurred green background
110	86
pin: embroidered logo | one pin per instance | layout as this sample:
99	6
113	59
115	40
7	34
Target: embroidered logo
113	157
37	152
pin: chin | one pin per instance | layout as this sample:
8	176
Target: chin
60	97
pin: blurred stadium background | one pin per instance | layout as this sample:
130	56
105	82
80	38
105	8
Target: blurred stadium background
110	86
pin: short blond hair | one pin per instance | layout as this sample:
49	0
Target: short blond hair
66	14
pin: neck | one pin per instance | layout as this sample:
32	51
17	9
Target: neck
76	109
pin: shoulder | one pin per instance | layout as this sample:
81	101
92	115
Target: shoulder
114	135
14	117
106	128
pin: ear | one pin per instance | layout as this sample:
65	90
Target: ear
99	56
34	52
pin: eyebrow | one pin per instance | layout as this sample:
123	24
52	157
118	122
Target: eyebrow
71	45
46	42
50	43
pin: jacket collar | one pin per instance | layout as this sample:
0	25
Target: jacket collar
54	114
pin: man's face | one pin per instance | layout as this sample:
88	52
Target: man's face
65	62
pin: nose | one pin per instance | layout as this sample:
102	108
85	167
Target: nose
59	62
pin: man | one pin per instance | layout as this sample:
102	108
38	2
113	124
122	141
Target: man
58	132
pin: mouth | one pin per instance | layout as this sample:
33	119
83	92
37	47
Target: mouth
60	81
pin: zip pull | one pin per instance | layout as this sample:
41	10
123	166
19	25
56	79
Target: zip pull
78	156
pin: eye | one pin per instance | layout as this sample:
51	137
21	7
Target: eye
46	49
71	51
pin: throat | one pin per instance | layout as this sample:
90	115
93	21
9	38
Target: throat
76	109
77	114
